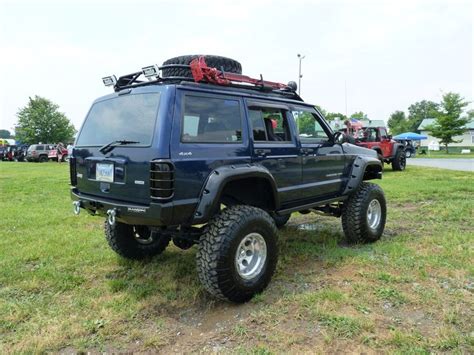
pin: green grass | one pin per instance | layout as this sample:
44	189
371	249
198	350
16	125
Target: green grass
63	289
454	153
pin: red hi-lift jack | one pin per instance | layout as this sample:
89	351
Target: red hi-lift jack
201	72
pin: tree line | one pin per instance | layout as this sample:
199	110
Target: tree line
450	118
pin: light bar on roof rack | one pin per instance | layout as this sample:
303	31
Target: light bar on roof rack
151	72
109	80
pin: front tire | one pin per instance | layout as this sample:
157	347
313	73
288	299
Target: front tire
238	254
364	214
135	242
399	161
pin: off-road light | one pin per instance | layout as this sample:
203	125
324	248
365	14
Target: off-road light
109	80
151	71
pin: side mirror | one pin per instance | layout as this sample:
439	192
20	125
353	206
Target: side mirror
389	136
339	137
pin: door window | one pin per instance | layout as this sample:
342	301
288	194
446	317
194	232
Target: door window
309	128
269	124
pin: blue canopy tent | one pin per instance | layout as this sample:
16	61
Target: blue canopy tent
410	136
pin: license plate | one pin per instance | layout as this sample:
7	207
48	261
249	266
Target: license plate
104	172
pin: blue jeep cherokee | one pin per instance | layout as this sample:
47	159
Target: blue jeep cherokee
203	155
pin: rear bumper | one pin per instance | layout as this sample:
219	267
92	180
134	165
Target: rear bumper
154	214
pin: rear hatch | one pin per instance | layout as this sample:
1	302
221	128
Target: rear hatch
127	123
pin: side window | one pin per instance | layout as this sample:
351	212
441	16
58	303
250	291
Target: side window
211	120
309	128
40	147
383	133
269	124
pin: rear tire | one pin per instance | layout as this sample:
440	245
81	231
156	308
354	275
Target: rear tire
135	242
399	161
364	214
238	254
43	159
213	61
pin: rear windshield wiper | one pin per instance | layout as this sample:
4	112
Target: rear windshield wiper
110	146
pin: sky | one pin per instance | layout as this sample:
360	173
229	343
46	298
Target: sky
380	55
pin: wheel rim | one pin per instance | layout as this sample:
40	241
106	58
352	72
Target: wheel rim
374	214
143	236
408	154
251	256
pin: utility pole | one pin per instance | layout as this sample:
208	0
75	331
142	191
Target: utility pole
345	95
301	57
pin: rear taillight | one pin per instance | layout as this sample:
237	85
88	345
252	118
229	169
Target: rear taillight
161	180
73	171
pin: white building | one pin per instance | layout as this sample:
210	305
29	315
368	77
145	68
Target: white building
467	139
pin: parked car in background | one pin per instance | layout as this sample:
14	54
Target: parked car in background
53	154
409	147
39	152
3	152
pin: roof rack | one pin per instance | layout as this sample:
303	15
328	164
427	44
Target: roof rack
201	73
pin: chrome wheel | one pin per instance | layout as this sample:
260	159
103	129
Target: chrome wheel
251	256
374	214
143	235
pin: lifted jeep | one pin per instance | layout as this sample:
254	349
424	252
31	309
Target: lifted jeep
203	155
388	150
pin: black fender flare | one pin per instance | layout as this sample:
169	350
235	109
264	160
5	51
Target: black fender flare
357	174
396	147
377	149
218	178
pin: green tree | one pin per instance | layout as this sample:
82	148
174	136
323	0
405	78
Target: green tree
398	123
418	111
40	121
359	116
449	122
332	115
5	133
306	123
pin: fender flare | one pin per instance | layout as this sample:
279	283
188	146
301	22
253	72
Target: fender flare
218	178
377	149
396	147
359	166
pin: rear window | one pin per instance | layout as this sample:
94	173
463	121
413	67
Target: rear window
211	120
128	117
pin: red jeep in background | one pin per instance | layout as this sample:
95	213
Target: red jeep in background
53	154
376	138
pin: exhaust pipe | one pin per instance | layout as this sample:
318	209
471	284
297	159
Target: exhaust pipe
111	216
76	207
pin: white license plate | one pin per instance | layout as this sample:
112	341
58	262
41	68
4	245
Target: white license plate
104	172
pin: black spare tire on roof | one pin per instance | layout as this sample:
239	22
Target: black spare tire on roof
213	61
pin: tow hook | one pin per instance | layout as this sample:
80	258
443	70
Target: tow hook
111	216
76	207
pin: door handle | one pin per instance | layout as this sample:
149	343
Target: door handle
262	152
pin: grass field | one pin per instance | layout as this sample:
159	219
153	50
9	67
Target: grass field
454	152
63	289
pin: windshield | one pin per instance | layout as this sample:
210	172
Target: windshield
128	117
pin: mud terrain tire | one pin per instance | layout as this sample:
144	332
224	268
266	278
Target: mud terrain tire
135	242
364	214
228	64
399	161
238	233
